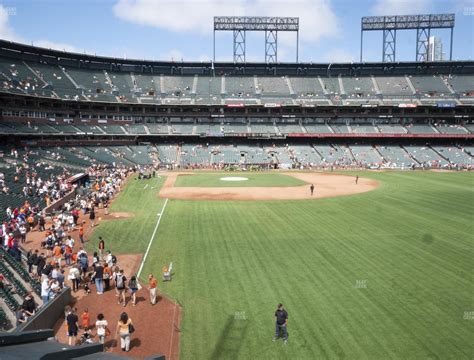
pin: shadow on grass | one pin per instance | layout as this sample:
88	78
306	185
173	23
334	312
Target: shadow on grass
230	341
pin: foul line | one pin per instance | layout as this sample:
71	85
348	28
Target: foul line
151	239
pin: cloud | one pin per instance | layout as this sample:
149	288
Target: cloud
55	45
8	33
173	55
317	18
338	56
401	7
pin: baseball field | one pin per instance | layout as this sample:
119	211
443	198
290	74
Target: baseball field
382	274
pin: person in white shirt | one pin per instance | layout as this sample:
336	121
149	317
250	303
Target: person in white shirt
101	326
70	222
109	259
55	272
45	287
55	287
81	251
75	277
70	242
22	229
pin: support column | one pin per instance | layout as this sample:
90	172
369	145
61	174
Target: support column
271	46
389	45
239	46
422	44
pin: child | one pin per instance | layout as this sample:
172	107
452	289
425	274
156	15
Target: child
85	319
86	337
81	233
101	326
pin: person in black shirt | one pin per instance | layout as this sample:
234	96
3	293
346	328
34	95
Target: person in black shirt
92	216
72	326
311	188
32	260
98	278
41	262
29	306
281	322
47	269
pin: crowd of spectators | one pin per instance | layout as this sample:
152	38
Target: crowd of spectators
58	253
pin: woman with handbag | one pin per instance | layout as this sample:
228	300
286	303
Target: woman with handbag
124	329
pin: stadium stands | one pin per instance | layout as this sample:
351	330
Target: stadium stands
395	157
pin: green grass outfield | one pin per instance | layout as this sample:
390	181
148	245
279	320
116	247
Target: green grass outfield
381	275
254	179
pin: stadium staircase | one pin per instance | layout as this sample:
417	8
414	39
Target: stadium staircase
410	84
380	154
162	85
354	158
288	82
410	156
341	86
66	74
36	74
134	82
223	90
317	152
194	88
376	86
440	154
435	128
178	156
325	91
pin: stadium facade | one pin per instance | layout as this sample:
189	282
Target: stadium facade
189	114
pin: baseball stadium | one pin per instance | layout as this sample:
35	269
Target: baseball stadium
238	209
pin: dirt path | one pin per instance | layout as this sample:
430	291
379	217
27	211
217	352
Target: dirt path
326	185
157	326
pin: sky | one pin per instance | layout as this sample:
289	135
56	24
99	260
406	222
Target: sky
182	30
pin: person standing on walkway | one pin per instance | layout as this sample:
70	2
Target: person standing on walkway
311	188
281	323
75	277
101	326
92	216
85	317
123	330
120	281
98	278
72	326
133	286
45	287
107	276
152	284
101	247
81	234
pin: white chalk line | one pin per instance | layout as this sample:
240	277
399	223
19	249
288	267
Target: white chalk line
160	215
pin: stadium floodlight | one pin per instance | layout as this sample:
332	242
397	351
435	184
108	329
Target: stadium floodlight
239	25
421	23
